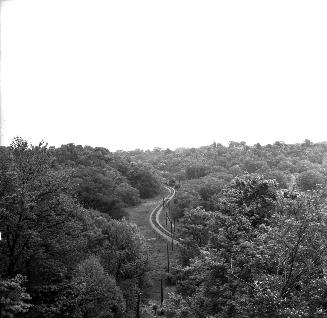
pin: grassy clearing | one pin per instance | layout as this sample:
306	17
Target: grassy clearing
157	245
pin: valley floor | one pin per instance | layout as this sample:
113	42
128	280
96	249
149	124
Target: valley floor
157	246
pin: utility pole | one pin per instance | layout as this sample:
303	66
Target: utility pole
168	260
161	292
171	233
138	305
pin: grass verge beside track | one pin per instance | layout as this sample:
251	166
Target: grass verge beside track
157	245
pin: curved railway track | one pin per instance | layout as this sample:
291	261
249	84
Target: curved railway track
155	222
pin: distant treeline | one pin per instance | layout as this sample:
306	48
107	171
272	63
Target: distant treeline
204	171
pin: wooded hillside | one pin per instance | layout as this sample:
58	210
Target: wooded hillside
250	220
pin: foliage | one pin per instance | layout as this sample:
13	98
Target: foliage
279	160
252	246
142	178
309	180
77	262
97	189
264	257
98	294
195	172
122	251
184	200
194	233
104	181
13	296
281	178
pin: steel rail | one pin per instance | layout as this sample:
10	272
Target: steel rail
155	215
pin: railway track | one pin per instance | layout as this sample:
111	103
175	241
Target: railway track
155	221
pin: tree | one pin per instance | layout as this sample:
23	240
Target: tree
309	180
236	170
105	190
286	165
128	194
143	179
252	166
194	232
40	222
34	204
271	269
304	165
252	196
123	253
194	172
13	296
97	292
185	200
107	182
280	177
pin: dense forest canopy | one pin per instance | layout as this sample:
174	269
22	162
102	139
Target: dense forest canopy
260	253
251	221
105	181
62	253
206	170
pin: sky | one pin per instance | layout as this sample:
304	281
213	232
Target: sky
144	74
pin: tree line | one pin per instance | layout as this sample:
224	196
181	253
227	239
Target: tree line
203	172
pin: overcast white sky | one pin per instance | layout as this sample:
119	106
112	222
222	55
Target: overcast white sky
139	74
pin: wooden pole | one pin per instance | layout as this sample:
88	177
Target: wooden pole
161	290
168	260
171	233
138	305
174	225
